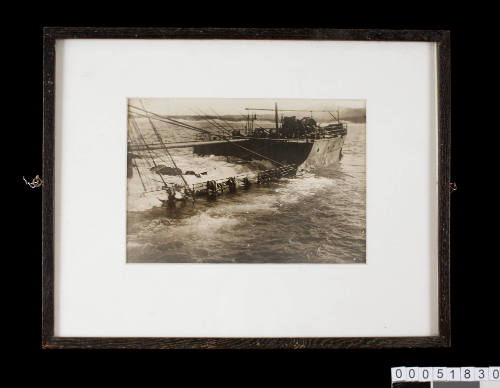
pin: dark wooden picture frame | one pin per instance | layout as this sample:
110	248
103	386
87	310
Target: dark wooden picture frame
441	38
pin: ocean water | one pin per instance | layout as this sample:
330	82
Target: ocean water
316	217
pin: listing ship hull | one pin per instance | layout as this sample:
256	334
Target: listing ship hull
306	154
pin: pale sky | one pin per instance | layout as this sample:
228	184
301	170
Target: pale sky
235	106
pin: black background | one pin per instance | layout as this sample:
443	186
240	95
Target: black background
475	289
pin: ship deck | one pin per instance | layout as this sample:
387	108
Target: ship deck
187	144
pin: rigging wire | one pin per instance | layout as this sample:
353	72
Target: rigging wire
213	123
147	161
160	139
139	172
221	118
136	126
183	125
134	164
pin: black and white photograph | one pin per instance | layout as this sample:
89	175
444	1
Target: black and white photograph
246	180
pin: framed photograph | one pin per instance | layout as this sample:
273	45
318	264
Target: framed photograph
246	188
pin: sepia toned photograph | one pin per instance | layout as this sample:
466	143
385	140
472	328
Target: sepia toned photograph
246	180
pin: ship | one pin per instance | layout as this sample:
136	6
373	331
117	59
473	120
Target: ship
292	144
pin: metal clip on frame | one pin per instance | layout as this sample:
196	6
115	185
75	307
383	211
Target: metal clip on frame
36	182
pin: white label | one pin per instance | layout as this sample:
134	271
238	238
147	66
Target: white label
467	373
481	374
425	374
439	373
398	373
411	373
453	374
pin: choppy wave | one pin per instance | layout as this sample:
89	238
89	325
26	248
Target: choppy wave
318	216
